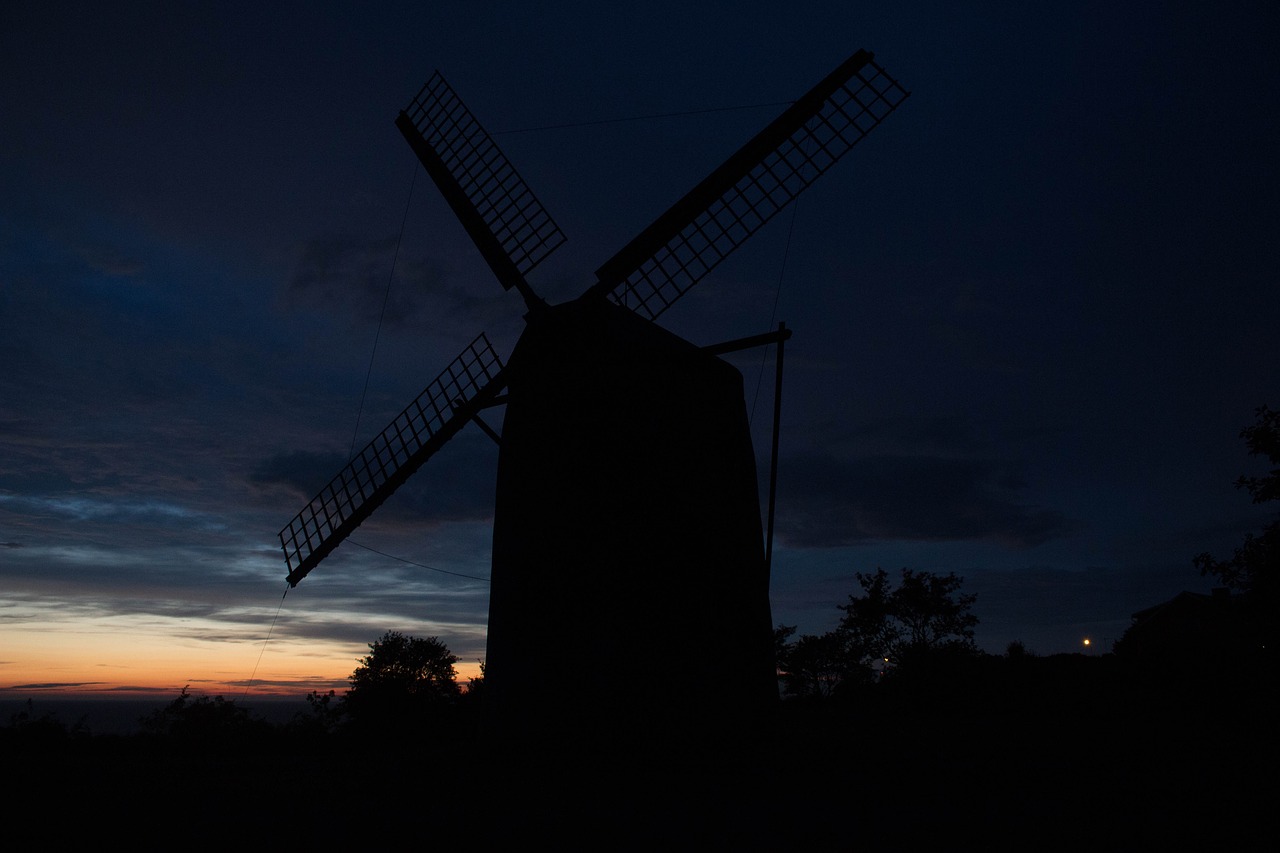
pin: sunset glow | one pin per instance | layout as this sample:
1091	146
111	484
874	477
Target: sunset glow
125	656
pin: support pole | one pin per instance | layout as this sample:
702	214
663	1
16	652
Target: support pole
783	334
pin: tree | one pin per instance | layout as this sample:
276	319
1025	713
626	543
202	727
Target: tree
924	620
323	717
475	686
409	664
401	680
203	719
1017	650
44	729
816	665
926	613
1254	568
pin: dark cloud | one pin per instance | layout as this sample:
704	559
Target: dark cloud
931	434
454	301
346	276
455	484
825	501
111	261
303	471
372	283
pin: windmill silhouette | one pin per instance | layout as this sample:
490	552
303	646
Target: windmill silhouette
627	526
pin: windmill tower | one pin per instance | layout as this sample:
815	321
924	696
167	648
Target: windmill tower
627	513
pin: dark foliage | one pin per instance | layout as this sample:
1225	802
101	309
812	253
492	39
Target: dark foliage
920	625
44	728
403	681
203	719
1254	569
475	687
323	716
925	612
816	666
955	751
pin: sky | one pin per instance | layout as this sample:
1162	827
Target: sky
1031	311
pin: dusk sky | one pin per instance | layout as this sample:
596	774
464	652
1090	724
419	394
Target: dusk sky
1031	311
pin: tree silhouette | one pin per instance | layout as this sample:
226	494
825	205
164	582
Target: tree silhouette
817	665
402	680
925	618
926	612
324	715
1254	568
204	719
475	685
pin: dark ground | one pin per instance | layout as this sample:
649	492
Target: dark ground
1073	760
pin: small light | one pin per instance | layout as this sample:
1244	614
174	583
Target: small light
1087	641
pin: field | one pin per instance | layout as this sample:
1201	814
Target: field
1074	764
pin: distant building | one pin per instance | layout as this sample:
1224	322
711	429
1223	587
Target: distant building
1191	626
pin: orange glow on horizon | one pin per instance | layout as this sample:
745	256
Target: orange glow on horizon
146	657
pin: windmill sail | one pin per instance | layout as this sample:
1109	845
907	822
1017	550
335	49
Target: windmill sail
684	244
510	227
453	398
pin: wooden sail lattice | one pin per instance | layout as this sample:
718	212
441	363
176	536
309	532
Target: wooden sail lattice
447	403
764	176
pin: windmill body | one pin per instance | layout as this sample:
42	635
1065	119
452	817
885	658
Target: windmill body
627	530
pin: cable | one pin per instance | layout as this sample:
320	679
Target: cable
270	630
777	295
419	565
386	296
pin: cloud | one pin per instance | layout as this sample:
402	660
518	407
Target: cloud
110	260
347	277
302	471
455	484
344	274
825	502
109	509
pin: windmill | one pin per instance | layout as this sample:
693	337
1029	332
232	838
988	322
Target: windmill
627	517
